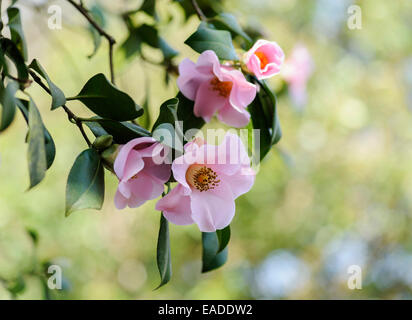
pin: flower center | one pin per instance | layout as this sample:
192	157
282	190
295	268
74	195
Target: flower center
135	176
263	59
222	87
201	177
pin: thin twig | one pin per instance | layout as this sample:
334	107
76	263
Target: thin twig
72	117
25	83
103	33
199	11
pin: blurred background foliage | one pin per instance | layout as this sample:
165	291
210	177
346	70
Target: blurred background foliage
336	191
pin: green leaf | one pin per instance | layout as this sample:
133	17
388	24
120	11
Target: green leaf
85	185
264	117
58	98
226	21
223	236
271	108
220	41
16	286
186	115
164	260
16	30
145	119
37	148
148	6
96	12
23	105
34	235
122	132
211	257
7	102
9	48
104	99
147	34
168	113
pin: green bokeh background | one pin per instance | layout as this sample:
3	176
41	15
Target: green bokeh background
336	191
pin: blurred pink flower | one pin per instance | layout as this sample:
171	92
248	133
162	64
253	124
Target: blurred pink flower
216	88
209	178
264	59
297	70
141	176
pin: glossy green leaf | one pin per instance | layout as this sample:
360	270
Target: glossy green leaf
226	21
164	260
149	7
23	105
85	185
122	132
96	128
12	52
145	119
36	155
149	35
209	8
270	106
7	104
186	115
211	257
220	41
264	117
3	64
16	30
58	98
104	99
168	113
224	237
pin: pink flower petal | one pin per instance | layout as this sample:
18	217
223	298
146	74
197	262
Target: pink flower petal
243	92
146	187
213	209
134	163
161	172
241	182
119	200
189	79
124	151
207	101
233	117
208	64
176	206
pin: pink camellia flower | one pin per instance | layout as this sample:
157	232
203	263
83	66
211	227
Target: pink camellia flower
209	178
264	59
296	72
216	88
141	177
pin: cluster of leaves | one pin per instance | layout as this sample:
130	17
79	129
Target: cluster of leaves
116	114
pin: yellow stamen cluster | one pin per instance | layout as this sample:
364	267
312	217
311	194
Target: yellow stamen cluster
222	87
201	177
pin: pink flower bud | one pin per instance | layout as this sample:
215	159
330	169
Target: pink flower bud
264	59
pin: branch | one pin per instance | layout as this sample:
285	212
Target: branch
103	33
199	11
72	117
